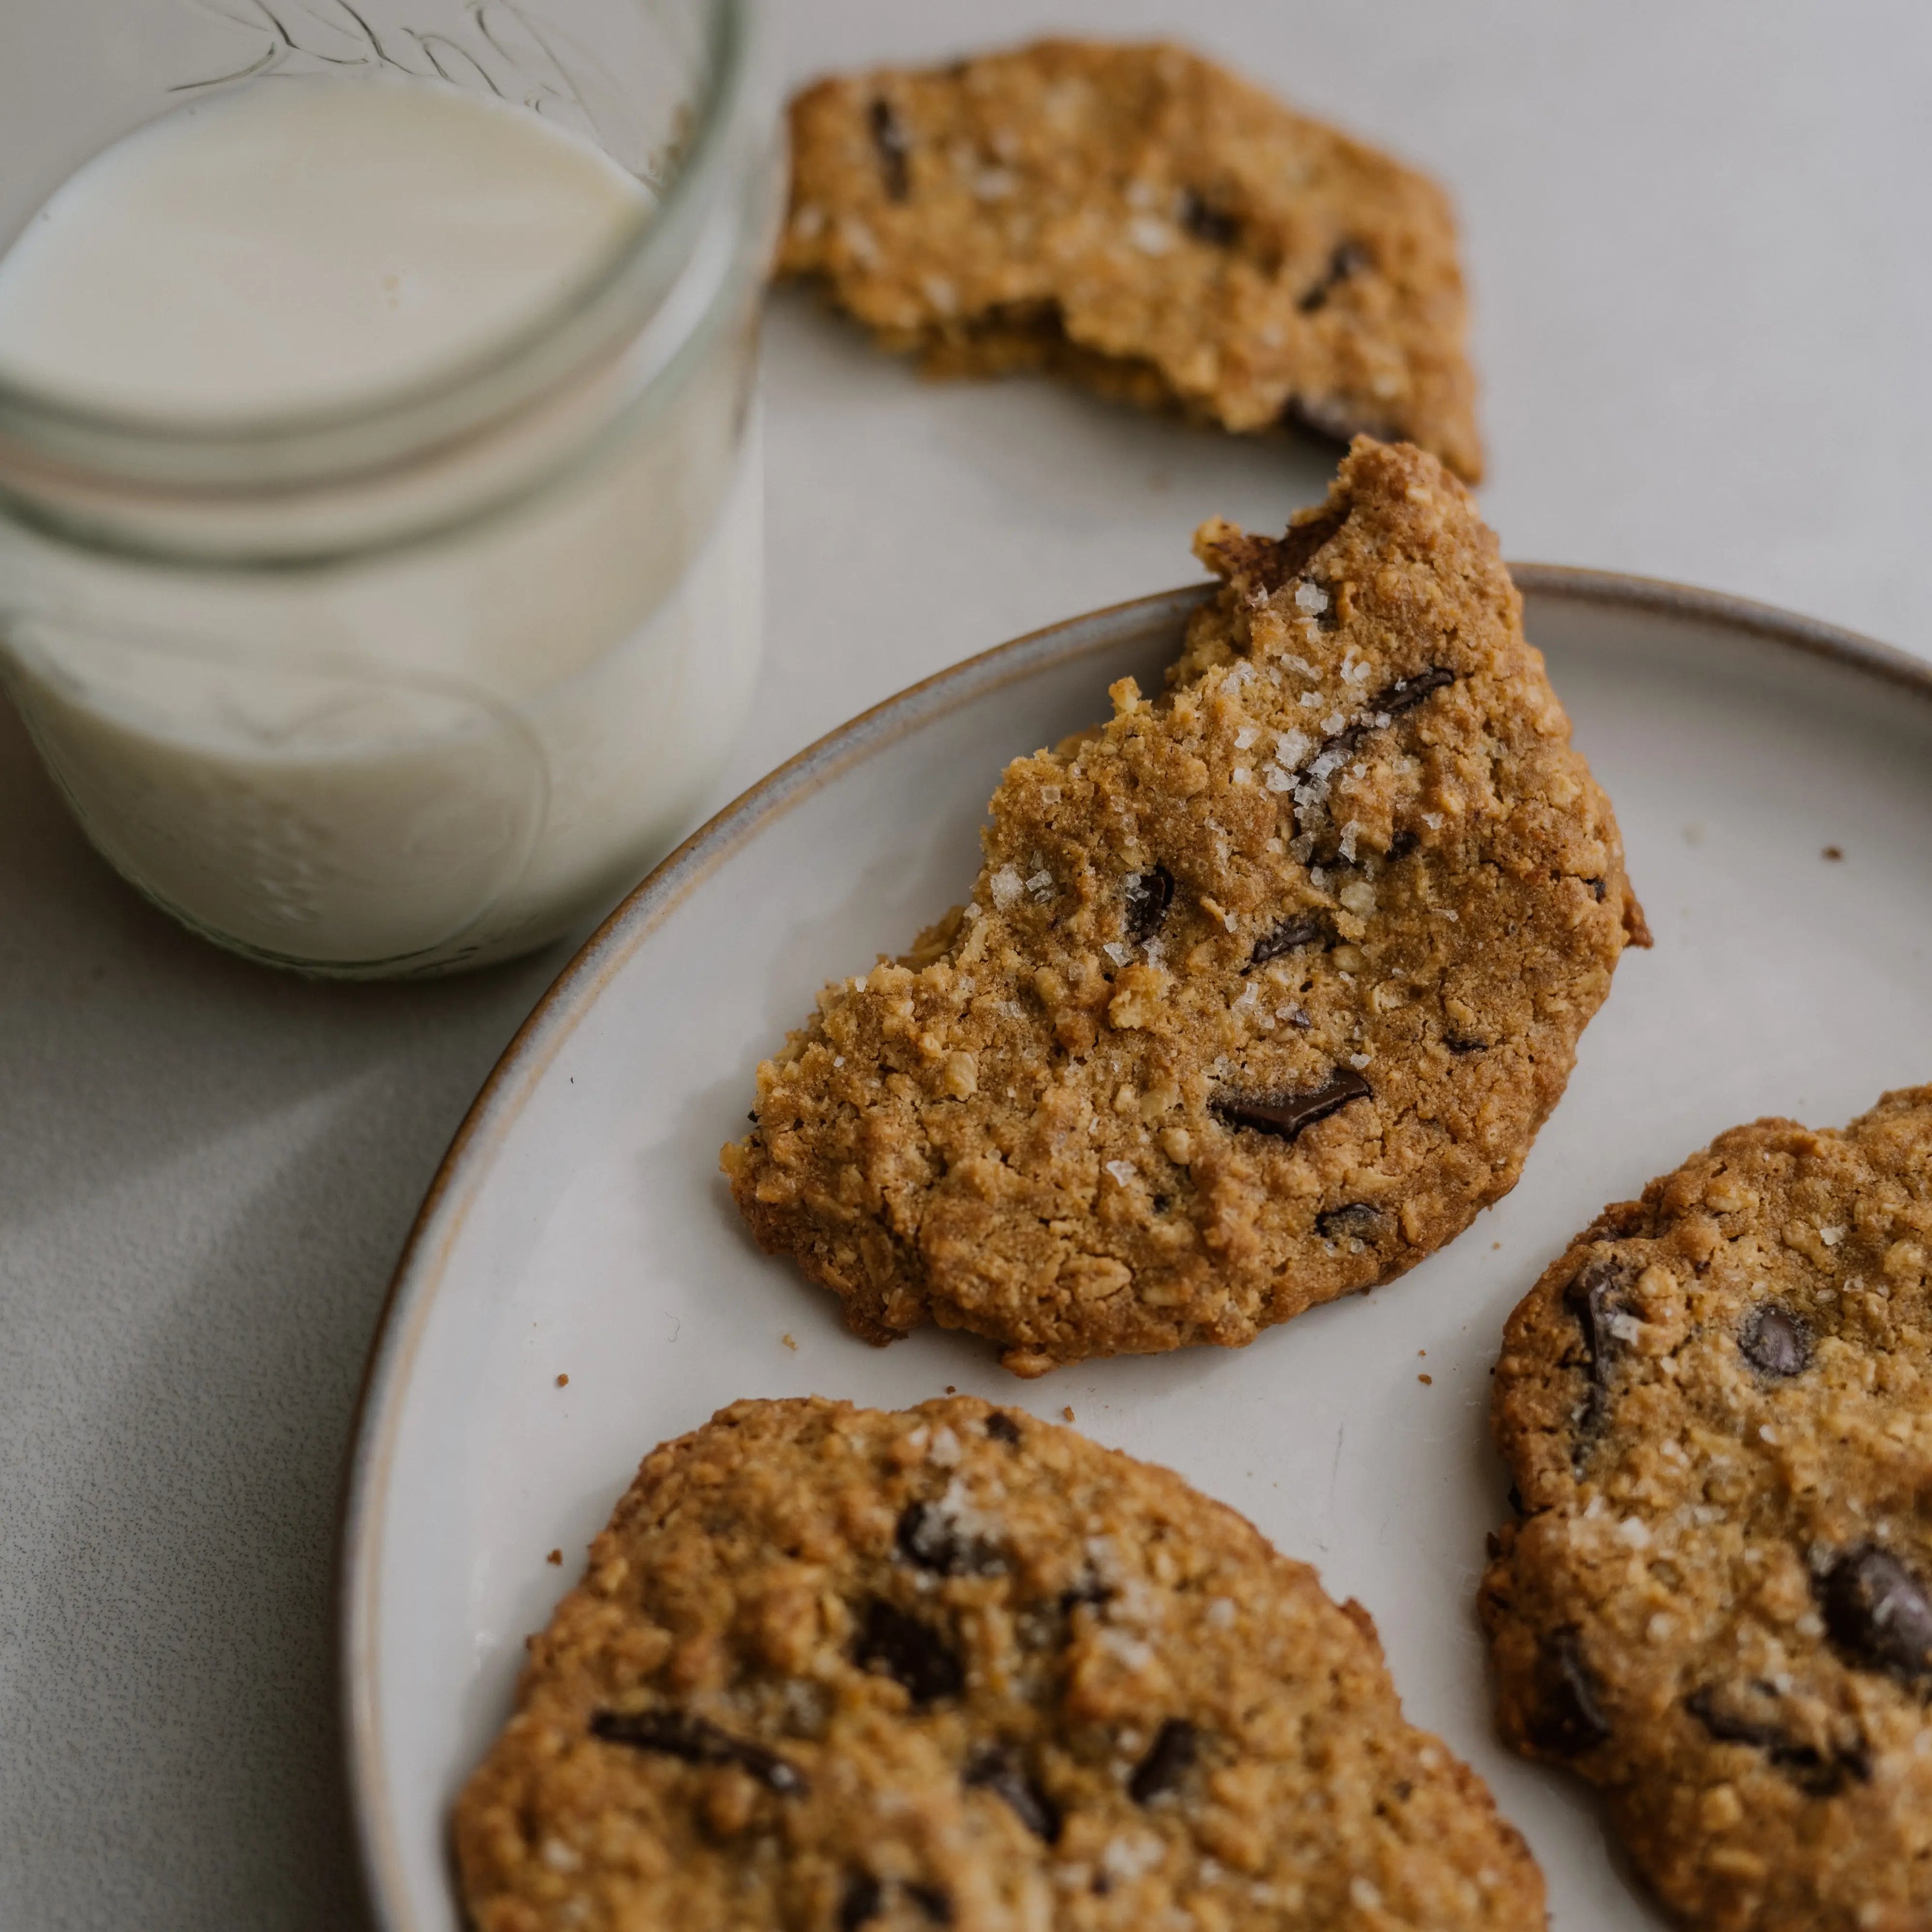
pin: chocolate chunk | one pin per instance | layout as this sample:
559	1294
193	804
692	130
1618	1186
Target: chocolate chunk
1595	1298
1456	1043
1295	549
1811	1769
889	137
1287	1115
1353	1220
1176	1745
1406	693
997	1768
1568	1721
1309	928
1089	1590
928	1537
935	1900
1350	258
696	1741
1207	223
1386	706
864	1899
1775	1340
1149	896
1402	844
1877	1613
1597	889
1002	1427
1515	1501
910	1652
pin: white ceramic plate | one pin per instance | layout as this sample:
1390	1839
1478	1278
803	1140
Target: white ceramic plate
580	1226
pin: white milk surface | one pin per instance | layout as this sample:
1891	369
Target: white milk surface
300	244
442	753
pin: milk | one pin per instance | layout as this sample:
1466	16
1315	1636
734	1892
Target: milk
424	754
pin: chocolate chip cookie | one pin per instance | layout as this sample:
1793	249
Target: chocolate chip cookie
1717	1603
832	1669
1264	989
1142	220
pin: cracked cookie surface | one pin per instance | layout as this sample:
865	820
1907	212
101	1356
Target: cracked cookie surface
831	1668
1717	1605
1142	220
1265	988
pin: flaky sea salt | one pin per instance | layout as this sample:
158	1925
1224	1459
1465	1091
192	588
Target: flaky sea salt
1041	884
1149	234
1310	598
1123	1171
1245	736
1241	775
1119	954
1005	885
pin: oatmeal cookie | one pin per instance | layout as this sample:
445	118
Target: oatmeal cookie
1265	988
832	1669
1143	220
1717	1604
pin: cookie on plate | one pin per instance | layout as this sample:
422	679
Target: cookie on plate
1717	1603
1143	220
1265	988
830	1668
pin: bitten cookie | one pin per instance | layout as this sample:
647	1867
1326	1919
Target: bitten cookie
1265	986
1717	1606
832	1669
1139	219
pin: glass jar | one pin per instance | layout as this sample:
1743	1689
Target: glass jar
423	679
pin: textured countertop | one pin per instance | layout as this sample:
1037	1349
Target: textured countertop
1696	239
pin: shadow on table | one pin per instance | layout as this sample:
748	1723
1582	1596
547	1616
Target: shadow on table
206	1172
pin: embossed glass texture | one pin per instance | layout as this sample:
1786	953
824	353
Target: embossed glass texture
444	669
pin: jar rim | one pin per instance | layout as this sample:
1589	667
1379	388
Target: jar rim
396	424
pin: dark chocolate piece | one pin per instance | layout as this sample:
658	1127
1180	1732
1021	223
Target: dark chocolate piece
998	1769
696	1741
1176	1746
1149	896
1307	928
864	1899
927	1537
1877	1613
1594	1297
910	1652
1295	550
889	137
1406	693
935	1900
1775	1341
1568	1721
1207	223
1002	1427
1353	1220
1350	258
1288	1115
1810	1769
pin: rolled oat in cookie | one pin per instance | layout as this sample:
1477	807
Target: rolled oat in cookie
1144	221
830	1668
1715	1602
1264	989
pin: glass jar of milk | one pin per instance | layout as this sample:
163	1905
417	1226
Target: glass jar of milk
380	493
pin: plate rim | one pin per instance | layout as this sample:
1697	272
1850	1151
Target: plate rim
412	1285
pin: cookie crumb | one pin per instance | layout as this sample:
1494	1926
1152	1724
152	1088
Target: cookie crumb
563	1382
1425	1381
1067	1412
556	1557
1834	853
790	1341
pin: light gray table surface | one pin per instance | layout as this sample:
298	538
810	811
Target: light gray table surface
1697	237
